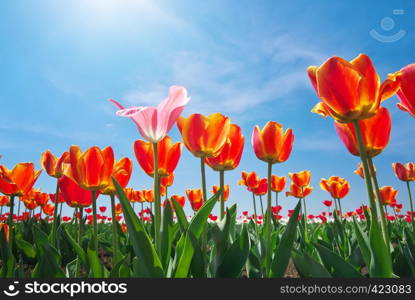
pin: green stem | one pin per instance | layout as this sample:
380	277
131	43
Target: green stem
60	210
203	172
276	199
268	223
157	204
262	205
18	208
55	214
10	219
254	203
363	156
381	206
80	232
114	231
340	208
411	204
222	196
94	220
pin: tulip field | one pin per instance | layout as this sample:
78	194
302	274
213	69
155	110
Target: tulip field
149	233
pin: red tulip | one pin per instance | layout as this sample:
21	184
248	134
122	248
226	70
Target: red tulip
406	92
250	180
74	195
54	166
375	132
328	203
404	172
195	198
19	180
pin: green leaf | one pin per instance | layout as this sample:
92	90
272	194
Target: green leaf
26	247
337	265
96	267
184	249
235	258
6	256
308	267
282	255
181	216
381	262
48	265
363	242
141	242
77	248
166	235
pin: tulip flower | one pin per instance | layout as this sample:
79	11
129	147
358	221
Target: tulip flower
40	198
92	170
328	203
154	123
48	209
299	192
388	195
278	183
250	180
52	165
195	198
300	179
272	144
406	93
168	156
167	181
262	188
17	182
75	196
204	136
231	153
375	133
215	190
406	173
180	199
337	187
121	173
227	159
349	91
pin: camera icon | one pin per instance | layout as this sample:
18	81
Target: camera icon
11	290
388	24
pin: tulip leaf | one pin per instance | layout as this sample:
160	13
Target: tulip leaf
181	217
166	235
236	256
381	262
77	248
184	248
151	265
96	267
7	256
26	247
337	266
48	264
363	242
308	267
283	252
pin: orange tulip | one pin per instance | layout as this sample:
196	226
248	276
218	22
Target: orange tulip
349	90
74	195
140	196
406	92
118	209
195	198
404	172
122	173
262	188
4	201
168	156
54	166
4	227
29	203
250	180
299	192
48	209
40	198
131	194
336	186
93	168
180	199
375	132
149	195
300	179
167	180
231	153
215	189
278	183
387	195
272	144
19	180
204	136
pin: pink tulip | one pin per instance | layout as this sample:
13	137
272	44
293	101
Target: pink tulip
155	122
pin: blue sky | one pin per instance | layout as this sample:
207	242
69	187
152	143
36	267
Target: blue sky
61	60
